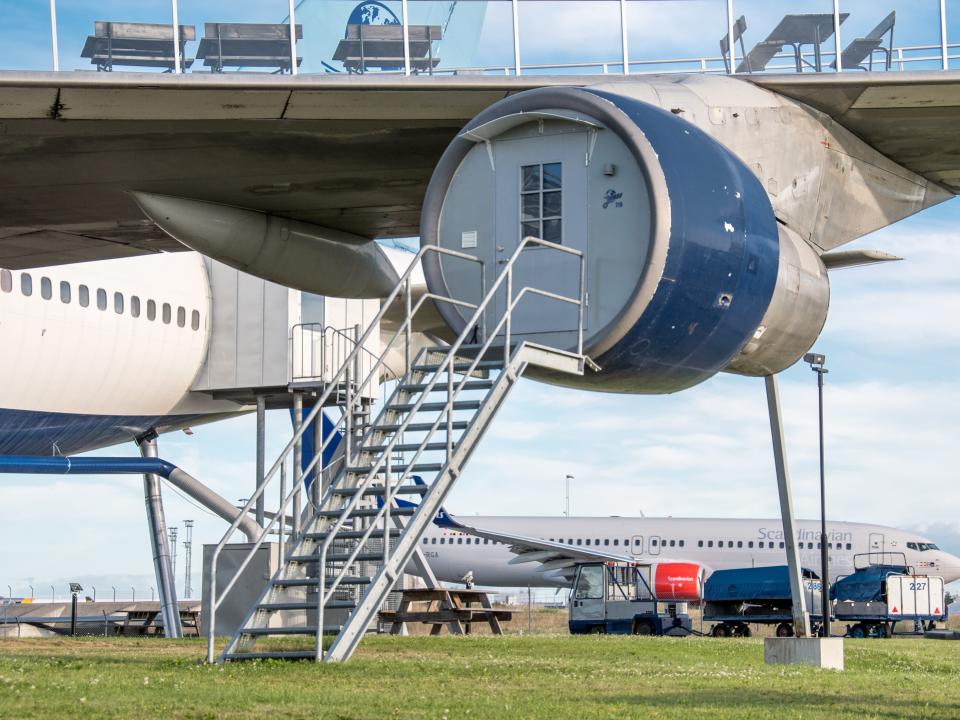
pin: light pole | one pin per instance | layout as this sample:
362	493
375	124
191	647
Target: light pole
31	591
133	594
566	481
114	593
816	362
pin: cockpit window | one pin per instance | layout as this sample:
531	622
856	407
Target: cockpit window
912	546
922	547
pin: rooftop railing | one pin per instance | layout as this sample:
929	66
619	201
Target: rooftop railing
486	37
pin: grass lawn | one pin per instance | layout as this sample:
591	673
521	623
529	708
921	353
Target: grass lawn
479	677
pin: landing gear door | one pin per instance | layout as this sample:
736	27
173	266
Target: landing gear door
541	189
587	596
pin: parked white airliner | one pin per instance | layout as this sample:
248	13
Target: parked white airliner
714	544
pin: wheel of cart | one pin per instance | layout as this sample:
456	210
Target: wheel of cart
785	629
643	627
721	630
742	630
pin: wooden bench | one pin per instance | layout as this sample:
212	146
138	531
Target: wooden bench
136	45
241	45
457	609
381	47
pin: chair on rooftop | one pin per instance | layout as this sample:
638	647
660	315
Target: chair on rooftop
739	28
245	45
136	45
862	49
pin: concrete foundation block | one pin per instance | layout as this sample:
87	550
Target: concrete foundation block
819	652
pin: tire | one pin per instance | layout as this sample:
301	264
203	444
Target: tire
642	628
745	631
882	631
784	630
598	630
858	631
721	631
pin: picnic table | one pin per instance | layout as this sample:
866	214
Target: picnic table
795	31
457	609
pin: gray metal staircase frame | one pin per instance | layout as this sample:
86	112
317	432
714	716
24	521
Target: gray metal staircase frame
433	370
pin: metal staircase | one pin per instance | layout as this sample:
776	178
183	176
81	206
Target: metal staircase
344	552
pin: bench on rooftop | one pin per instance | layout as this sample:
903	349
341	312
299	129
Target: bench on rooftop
136	45
380	47
244	45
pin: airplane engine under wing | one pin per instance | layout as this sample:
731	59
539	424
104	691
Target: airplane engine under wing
688	271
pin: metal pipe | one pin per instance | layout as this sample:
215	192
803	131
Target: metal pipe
176	38
801	619
623	37
261	454
162	564
53	35
293	58
516	36
836	34
297	453
406	36
731	52
945	58
59	465
824	555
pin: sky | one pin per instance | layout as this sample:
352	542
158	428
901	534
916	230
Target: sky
892	341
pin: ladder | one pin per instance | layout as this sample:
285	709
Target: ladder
353	541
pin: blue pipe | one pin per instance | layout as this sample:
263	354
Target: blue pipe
57	465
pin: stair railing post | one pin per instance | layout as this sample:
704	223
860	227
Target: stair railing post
283	512
506	329
387	500
407	330
580	308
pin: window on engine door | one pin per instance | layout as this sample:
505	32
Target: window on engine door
541	201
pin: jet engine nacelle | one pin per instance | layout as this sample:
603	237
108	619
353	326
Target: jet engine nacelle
678	581
687	271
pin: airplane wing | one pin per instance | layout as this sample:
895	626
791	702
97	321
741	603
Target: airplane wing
351	154
555	558
911	117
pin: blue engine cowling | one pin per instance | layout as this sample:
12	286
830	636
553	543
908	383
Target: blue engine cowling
704	256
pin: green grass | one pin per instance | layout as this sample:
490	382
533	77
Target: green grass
479	677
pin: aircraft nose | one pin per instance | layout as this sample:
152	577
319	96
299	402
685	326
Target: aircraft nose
950	567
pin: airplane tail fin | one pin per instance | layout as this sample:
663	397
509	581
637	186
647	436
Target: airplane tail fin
442	519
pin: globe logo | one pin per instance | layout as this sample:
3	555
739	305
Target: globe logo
372	12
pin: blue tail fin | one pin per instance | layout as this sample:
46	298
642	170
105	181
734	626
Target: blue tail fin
441	519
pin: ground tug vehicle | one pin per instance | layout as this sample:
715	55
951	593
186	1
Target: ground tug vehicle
628	598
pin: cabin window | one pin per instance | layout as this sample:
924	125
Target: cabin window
486	541
606	541
426	541
167	313
181	317
83	295
673	543
681	543
459	541
6	281
616	541
636	542
699	543
433	541
541	201
849	546
588	541
26	284
151	310
195	320
101	299
579	541
750	543
781	546
134	306
64	291
46	288
709	543
118	303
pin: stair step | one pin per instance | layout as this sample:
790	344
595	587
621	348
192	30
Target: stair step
365	512
409	447
293	630
351	534
418	467
338	557
441	385
436	406
276	655
459	366
306	605
381	490
313	582
421	427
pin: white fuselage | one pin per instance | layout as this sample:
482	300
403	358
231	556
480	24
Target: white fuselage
715	544
96	352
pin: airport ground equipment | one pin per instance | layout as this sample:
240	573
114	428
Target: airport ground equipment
877	596
456	608
623	598
736	598
439	408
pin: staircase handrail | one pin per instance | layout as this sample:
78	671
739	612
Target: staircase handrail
506	275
